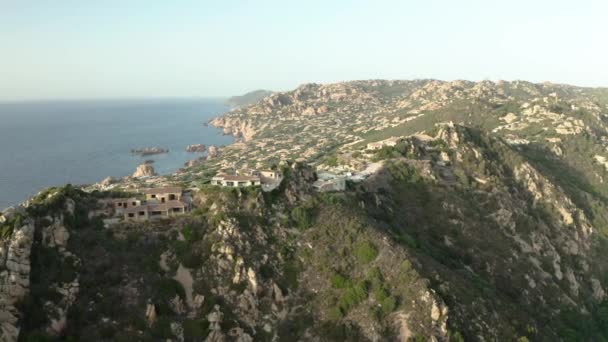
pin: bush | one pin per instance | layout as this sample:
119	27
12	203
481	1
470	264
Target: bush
302	217
191	234
366	252
338	281
162	328
167	288
353	296
331	161
187	255
195	330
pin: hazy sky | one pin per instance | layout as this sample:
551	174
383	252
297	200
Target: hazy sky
127	48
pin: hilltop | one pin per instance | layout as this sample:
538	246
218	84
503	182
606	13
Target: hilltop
455	211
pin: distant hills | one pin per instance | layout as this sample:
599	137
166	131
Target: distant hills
249	98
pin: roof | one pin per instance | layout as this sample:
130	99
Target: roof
164	190
234	178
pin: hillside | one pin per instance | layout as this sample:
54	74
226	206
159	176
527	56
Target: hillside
486	220
248	98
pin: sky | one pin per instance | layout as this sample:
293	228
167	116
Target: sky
73	49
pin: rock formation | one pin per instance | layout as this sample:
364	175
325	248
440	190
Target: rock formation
196	148
144	170
148	151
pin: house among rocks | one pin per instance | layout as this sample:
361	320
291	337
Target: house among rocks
268	179
164	194
392	141
235	180
159	203
155	209
121	204
271	175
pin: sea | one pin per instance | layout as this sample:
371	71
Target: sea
50	143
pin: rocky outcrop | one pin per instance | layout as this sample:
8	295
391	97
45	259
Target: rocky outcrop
144	170
212	151
14	278
196	148
236	127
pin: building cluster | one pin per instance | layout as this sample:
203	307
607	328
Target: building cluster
158	203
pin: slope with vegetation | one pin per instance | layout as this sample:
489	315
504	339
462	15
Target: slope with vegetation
488	222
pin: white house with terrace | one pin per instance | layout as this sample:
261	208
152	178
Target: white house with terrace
268	179
235	181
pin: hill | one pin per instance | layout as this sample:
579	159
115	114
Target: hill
470	212
248	98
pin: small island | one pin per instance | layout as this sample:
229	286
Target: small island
147	151
196	148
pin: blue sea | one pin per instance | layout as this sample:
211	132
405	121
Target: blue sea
44	144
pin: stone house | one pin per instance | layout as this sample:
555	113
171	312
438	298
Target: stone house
164	194
114	206
155	209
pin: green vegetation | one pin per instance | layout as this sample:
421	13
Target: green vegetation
303	215
7	228
366	252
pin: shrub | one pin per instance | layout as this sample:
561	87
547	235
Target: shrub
187	255
191	233
162	328
335	313
302	217
331	161
167	288
266	271
353	296
195	330
455	337
338	281
366	252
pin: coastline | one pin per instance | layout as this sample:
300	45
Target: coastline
110	158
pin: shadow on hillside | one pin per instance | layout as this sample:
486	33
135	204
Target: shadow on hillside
569	179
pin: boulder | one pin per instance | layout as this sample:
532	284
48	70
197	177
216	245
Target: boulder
144	170
195	148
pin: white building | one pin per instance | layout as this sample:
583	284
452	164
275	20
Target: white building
235	181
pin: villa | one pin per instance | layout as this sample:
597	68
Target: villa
164	194
236	180
155	209
158	203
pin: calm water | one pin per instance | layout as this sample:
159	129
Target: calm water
52	143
